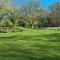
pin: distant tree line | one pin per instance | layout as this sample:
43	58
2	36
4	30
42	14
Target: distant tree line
29	15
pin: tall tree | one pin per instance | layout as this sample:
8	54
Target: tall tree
31	12
55	14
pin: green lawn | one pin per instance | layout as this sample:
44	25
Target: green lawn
30	45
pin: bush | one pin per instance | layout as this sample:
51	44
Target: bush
18	29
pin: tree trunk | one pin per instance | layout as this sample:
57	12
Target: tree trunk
32	27
7	29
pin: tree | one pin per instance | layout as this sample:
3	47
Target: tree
30	12
55	14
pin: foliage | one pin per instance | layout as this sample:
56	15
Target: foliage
30	15
6	23
54	15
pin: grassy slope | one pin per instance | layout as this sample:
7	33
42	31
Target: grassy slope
30	45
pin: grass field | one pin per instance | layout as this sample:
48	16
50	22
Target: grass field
30	45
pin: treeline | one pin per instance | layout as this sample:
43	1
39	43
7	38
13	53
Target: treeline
29	15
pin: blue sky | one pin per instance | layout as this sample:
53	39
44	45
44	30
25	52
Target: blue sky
45	3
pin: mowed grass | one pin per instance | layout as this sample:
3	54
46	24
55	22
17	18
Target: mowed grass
30	45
